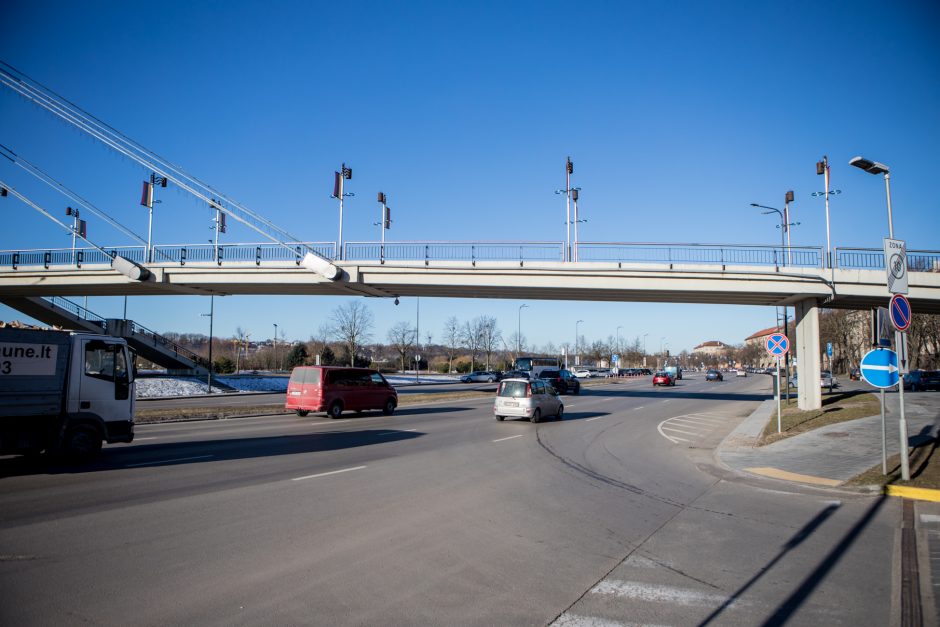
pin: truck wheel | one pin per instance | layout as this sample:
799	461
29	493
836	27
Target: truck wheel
335	409
82	442
389	407
303	412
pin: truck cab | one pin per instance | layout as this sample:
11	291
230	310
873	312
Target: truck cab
64	392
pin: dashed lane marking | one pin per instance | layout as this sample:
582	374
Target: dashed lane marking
327	474
512	437
594	418
681	431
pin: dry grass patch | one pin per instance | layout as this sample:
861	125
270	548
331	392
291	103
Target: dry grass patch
836	407
924	466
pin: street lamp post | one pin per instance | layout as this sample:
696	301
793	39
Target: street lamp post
577	348
344	174
644	349
519	330
873	167
385	222
275	347
662	354
211	316
569	168
822	168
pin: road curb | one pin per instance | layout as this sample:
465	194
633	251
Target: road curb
917	494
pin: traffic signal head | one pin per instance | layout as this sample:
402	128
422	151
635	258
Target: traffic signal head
570	166
820	167
221	222
3	191
381	197
388	218
69	210
789	196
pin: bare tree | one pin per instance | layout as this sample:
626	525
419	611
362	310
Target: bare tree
451	340
402	338
351	324
490	336
470	338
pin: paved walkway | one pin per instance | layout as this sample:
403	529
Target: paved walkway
829	455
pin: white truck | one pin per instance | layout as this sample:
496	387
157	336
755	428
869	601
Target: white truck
64	393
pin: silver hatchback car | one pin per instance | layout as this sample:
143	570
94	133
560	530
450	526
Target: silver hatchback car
524	398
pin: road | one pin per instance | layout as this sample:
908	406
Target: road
441	515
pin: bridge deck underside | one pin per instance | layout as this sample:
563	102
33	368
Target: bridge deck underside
854	289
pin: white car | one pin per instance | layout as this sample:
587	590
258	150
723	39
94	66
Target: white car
582	373
527	398
741	373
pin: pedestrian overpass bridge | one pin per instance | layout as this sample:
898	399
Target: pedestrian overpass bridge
619	272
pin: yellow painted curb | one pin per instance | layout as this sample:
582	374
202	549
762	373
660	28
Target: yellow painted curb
920	494
776	473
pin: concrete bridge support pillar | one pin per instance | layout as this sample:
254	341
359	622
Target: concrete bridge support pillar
807	352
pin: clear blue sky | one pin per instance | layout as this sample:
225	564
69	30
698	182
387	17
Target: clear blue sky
676	115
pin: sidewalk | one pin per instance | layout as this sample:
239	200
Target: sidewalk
828	456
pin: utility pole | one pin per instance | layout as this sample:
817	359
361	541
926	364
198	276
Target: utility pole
339	179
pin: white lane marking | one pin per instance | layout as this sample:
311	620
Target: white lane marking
594	418
327	474
663	594
509	438
381	435
704	418
332	422
142	439
694	423
168	461
673	439
929	518
641	407
667	400
681	431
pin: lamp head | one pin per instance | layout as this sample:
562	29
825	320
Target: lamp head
872	167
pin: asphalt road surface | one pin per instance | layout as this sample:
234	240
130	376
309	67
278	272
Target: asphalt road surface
439	515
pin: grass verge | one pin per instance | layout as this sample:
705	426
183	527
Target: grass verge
836	407
924	466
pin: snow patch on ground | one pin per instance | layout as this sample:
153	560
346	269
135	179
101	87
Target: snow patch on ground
156	387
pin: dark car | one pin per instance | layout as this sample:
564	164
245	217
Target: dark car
514	374
922	380
663	378
563	381
714	375
855	375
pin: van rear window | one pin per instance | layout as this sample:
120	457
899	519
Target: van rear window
309	376
513	389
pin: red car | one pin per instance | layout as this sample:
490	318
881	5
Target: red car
663	378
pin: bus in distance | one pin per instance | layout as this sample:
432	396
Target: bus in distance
527	363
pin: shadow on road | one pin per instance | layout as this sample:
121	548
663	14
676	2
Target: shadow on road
177	453
677	392
784	612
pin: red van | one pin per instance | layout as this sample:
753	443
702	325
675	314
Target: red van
334	389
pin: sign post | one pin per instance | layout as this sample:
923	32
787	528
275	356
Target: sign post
777	345
879	368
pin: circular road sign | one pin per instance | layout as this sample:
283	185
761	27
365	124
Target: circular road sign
880	368
900	310
777	344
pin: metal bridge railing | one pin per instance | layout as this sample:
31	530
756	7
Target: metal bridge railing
76	310
874	259
620	252
718	254
158	340
454	251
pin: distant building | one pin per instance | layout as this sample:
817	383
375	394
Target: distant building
760	337
711	348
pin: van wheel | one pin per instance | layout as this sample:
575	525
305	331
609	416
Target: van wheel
335	410
389	407
536	416
500	418
303	412
82	442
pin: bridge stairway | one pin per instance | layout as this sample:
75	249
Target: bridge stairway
150	345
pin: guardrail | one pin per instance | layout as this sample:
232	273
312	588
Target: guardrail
521	252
